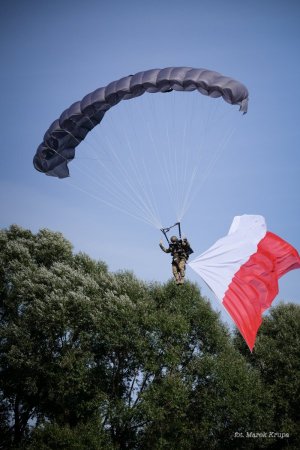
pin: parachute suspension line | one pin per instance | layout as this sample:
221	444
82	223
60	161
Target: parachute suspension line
136	195
176	162
179	179
116	190
132	179
173	163
165	158
114	194
173	151
157	225
179	162
112	205
193	173
162	163
178	156
145	192
169	156
186	152
183	160
146	170
117	186
132	195
217	154
209	121
144	181
184	163
174	158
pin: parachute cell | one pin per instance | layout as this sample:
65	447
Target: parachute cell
66	133
243	269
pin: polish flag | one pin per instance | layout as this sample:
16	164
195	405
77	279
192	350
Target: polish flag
243	269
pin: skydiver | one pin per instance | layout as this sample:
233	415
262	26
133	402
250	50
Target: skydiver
180	251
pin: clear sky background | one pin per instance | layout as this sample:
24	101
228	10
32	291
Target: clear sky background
54	53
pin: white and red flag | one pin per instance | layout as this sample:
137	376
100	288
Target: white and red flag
243	269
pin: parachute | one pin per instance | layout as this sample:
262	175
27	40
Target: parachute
66	133
243	269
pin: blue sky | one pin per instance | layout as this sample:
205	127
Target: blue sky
54	53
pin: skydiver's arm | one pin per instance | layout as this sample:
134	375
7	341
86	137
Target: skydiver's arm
164	249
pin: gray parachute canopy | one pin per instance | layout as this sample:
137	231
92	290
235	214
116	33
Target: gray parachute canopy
60	140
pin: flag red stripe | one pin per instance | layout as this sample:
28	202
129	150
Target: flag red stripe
255	284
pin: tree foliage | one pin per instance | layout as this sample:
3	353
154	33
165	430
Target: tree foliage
92	359
277	359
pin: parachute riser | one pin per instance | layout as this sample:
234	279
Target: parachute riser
166	230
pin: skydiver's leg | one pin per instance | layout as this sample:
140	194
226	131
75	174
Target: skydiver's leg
175	272
182	270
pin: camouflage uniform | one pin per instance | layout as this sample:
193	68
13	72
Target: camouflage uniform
180	253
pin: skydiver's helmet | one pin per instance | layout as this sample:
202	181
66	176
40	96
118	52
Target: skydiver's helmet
174	239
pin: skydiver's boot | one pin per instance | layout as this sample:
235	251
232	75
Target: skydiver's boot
177	278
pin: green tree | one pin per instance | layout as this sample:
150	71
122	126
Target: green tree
46	304
91	359
202	392
276	356
84	436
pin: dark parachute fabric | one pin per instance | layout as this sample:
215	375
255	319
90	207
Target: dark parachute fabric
60	140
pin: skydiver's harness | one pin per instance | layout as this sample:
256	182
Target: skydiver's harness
177	249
